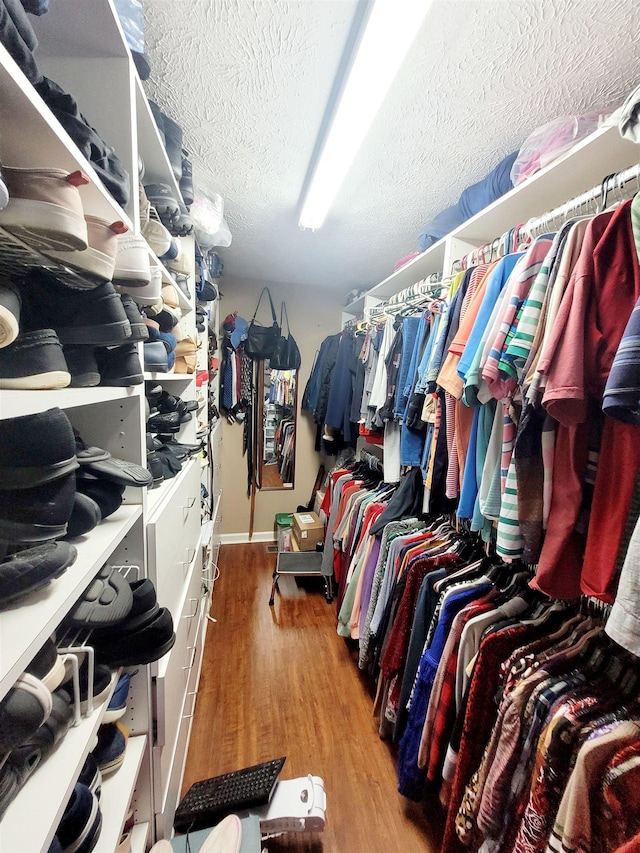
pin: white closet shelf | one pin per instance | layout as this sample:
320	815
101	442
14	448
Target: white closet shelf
25	627
170	377
139	835
33	817
157	498
157	168
81	29
578	170
33	137
16	403
117	791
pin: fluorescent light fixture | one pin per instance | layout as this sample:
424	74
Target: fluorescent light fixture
390	30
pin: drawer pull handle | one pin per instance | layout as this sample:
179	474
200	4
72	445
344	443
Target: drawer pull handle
190	503
195	609
193	657
193	693
191	552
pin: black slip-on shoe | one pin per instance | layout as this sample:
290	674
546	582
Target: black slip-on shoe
36	449
93	316
85	515
51	732
9	313
154	466
153	392
37	514
106	601
119	366
34	362
173	144
139	645
139	331
48	666
82	365
106	494
167	422
22	711
101	684
34	568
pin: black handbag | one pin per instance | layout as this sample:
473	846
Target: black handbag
286	355
261	340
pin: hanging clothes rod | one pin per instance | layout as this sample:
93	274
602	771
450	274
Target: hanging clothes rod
593	200
371	460
411	297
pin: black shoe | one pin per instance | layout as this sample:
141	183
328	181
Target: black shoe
34	362
173	145
164	201
150	639
119	366
166	320
153	391
186	181
85	515
182	225
34	568
139	331
100	463
154	466
36	449
106	494
78	316
82	365
167	422
79	829
101	684
168	403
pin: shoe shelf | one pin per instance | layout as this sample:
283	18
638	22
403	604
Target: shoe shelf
32	136
167	278
16	403
25	627
166	491
116	794
157	168
171	377
139	835
32	818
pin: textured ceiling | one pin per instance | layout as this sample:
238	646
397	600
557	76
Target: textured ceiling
249	81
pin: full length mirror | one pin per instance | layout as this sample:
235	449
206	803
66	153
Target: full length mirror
276	421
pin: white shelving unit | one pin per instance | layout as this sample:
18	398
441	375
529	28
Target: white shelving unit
601	153
82	47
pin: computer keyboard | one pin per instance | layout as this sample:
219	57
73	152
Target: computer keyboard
208	801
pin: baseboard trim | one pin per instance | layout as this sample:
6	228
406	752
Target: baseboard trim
243	538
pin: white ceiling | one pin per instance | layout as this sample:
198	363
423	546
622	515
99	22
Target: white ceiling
249	81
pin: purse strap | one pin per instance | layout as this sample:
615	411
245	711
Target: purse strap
283	307
273	310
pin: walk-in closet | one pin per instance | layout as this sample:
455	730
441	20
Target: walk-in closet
319	426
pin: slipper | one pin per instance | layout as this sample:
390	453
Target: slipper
85	515
106	601
142	644
106	494
102	464
226	837
34	568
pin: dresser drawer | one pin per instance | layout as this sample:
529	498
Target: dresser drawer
172	539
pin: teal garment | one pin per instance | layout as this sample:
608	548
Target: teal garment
485	425
344	617
490	491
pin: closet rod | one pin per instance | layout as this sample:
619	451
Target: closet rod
371	460
615	182
413	300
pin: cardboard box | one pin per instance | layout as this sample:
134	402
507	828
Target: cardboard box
308	530
294	544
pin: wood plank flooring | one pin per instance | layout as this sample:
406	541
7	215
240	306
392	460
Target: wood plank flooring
279	681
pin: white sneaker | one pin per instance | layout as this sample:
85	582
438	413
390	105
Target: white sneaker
99	259
45	209
146	294
133	267
154	232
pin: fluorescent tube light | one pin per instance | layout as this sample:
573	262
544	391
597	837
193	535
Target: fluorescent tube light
390	30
